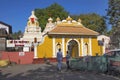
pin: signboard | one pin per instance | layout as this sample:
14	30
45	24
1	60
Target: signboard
21	54
26	49
14	43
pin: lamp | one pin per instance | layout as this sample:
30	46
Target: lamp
58	45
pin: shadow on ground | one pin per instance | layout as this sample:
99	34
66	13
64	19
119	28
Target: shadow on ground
49	72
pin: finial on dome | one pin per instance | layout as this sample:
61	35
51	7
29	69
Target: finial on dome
33	12
69	18
50	20
79	20
57	19
33	15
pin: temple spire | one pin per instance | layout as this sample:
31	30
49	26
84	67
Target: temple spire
32	30
32	21
33	13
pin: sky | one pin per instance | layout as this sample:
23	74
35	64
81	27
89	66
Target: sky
16	12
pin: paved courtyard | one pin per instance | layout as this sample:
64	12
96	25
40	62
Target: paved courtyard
48	72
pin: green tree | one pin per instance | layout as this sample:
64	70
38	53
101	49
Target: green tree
93	21
54	11
17	35
113	16
113	12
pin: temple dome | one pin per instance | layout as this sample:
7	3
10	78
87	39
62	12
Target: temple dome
68	18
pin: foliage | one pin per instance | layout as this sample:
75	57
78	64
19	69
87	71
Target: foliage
54	11
113	15
115	38
93	21
113	12
17	35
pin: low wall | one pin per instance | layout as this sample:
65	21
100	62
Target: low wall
43	60
25	58
18	57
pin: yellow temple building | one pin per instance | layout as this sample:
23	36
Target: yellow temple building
69	35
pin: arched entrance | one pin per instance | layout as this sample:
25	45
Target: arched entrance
73	48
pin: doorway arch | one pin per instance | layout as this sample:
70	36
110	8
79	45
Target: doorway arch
73	48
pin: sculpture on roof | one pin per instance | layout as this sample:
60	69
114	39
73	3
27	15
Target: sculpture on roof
32	20
49	26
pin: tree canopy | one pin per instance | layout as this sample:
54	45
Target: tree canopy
17	35
113	15
113	12
93	21
54	11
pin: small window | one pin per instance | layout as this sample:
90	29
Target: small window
100	43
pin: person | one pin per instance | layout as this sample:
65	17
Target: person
59	59
87	60
67	60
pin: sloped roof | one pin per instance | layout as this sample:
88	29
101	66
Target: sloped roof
71	27
72	30
7	25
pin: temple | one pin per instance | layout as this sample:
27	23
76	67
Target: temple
69	35
32	30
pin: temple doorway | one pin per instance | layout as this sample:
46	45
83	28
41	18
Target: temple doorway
73	48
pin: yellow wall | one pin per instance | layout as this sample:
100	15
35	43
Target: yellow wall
45	49
86	40
58	40
95	47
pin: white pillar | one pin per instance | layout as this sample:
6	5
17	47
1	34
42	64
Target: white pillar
103	48
90	47
82	46
53	41
79	48
35	50
63	46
